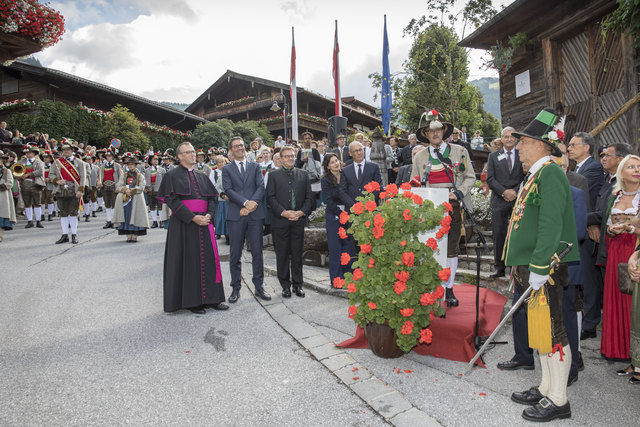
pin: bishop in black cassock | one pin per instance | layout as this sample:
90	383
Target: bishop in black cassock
192	276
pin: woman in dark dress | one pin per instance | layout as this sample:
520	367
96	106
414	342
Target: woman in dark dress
336	200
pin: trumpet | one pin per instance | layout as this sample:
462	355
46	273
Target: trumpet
18	170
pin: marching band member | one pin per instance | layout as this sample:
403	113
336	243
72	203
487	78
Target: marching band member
47	192
153	177
201	165
130	214
109	174
68	175
31	184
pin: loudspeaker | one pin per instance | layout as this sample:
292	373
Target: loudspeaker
337	125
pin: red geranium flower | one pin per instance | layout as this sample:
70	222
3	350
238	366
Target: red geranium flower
427	299
399	287
407	194
402	276
444	274
407	215
345	258
403	243
372	186
342	233
447	206
383	195
365	248
378	232
432	243
406	312
431	316
439	235
407	328
378	220
358	208
367	224
392	190
370	205
408	258
338	282
357	274
353	310
351	288
372	262
372	305
426	335
438	293
403	186
417	199
344	218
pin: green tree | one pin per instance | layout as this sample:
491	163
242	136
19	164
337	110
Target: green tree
123	125
212	134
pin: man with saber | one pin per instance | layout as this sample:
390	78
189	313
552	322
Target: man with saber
541	228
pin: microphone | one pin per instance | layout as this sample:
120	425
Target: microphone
425	177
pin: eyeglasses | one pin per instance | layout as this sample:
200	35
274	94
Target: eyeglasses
359	150
237	146
288	156
574	144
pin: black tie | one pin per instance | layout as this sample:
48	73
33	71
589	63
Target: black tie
359	172
242	169
509	161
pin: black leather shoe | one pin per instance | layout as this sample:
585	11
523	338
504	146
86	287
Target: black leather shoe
99	209
219	306
29	224
39	224
198	310
512	365
154	224
286	293
260	293
546	410
586	334
93	214
450	298
86	218
497	274
74	239
626	371
63	239
298	291
528	397
635	380
234	297
108	225
572	379
49	218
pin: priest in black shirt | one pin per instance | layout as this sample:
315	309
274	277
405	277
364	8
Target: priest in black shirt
192	275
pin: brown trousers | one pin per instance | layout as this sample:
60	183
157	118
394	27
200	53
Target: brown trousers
30	193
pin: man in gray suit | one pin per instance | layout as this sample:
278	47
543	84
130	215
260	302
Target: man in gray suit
504	175
243	185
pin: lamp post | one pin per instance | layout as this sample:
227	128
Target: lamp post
275	108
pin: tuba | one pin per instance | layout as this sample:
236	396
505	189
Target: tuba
17	170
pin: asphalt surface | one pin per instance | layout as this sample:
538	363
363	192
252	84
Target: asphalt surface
85	342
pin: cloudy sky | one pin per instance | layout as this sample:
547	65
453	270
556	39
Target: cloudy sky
172	50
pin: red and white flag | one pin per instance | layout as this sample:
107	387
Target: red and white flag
293	92
336	72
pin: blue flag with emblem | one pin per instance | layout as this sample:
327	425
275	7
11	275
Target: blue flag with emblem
386	82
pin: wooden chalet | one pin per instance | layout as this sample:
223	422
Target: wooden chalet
239	97
567	61
34	83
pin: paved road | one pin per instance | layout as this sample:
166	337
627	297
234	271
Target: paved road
85	342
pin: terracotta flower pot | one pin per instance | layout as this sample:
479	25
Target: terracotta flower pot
382	340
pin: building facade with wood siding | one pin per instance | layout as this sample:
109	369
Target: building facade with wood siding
34	83
240	97
567	61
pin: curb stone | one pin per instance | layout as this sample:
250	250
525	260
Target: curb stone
384	400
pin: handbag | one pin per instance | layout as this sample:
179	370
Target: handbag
625	284
313	169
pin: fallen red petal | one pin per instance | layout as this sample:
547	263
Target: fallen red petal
354	369
408	371
355	378
483	394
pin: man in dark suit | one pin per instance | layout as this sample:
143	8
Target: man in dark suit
359	173
504	175
404	173
405	158
581	148
290	201
243	185
342	150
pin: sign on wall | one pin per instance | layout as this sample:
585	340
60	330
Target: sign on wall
523	84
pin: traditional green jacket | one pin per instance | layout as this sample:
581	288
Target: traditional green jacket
542	218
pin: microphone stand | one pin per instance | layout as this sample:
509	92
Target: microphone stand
480	241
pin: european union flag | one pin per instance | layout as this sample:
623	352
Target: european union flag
386	82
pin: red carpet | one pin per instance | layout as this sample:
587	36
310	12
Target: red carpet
453	335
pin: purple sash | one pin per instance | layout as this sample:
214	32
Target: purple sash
195	205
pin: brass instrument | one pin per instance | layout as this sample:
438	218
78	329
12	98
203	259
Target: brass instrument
18	170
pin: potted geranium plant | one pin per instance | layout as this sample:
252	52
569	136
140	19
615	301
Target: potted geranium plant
395	284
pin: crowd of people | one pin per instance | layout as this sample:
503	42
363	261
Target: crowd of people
545	193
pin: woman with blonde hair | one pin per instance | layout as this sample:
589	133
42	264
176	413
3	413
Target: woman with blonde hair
623	229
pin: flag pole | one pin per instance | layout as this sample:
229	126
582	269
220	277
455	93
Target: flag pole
293	90
336	72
